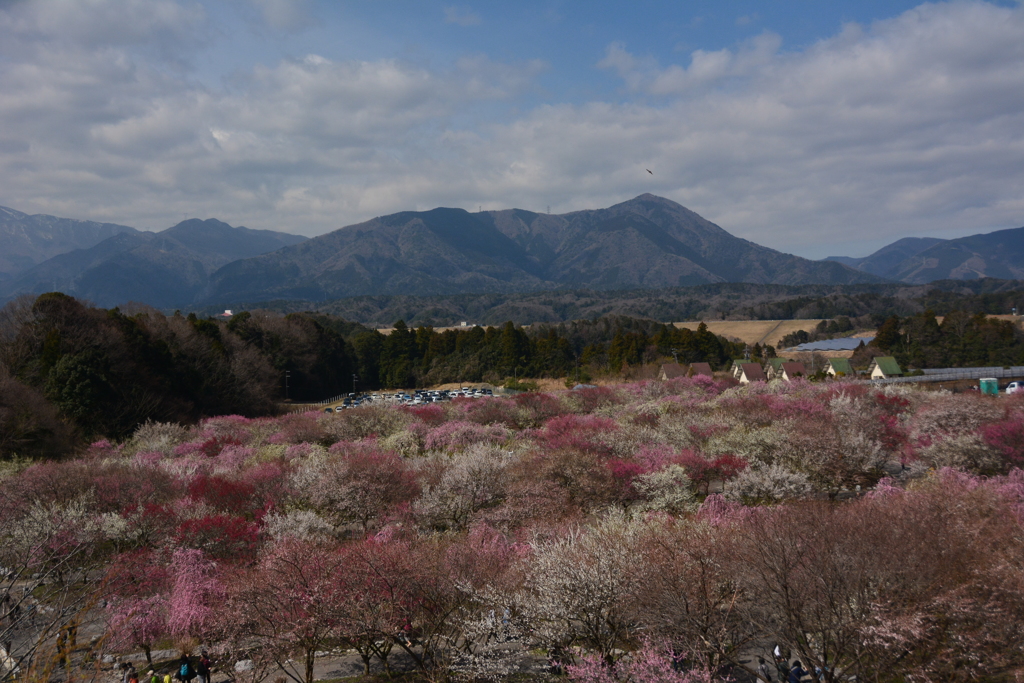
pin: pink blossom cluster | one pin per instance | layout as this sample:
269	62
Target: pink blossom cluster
587	521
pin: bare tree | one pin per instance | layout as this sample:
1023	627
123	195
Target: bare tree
48	587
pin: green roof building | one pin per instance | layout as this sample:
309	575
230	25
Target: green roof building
840	365
884	367
773	368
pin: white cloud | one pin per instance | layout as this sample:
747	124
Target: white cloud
913	125
284	15
706	68
463	16
101	23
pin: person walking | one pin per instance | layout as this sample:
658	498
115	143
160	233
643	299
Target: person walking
782	665
203	668
185	671
764	672
797	673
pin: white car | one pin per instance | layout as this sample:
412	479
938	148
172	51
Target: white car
1014	387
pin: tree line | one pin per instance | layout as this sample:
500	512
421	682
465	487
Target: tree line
732	300
962	339
70	372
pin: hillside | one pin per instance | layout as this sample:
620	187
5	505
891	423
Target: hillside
29	240
647	242
164	269
724	301
997	254
920	260
890	257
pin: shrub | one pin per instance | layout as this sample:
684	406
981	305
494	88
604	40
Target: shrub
230	537
968	452
650	664
431	415
767	484
118	484
589	399
536	409
950	414
237	427
702	471
468	483
222	493
579	433
489	411
1007	437
359	484
667	490
303	525
457	436
301	428
159	437
232	458
623	474
406	443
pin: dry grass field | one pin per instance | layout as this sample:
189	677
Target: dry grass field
755	331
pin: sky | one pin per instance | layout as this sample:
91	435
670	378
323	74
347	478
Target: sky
816	128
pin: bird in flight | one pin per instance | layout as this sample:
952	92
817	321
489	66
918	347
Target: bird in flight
649	171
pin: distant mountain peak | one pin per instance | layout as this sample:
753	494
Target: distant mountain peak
919	260
645	242
4	211
26	241
196	223
162	269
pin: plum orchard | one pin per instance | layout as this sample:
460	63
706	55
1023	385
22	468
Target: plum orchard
618	528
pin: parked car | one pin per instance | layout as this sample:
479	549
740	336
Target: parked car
1014	387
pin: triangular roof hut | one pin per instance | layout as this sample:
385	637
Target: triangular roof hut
884	367
751	372
701	369
839	365
671	371
792	370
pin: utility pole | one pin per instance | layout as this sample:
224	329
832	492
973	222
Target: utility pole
287	374
355	378
515	369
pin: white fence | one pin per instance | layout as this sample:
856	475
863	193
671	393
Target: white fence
950	374
303	407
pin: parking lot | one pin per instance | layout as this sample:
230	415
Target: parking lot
415	397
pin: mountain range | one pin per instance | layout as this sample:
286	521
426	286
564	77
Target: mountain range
889	257
29	240
645	243
919	260
164	269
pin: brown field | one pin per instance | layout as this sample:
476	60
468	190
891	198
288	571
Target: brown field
749	331
755	331
994	316
389	330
